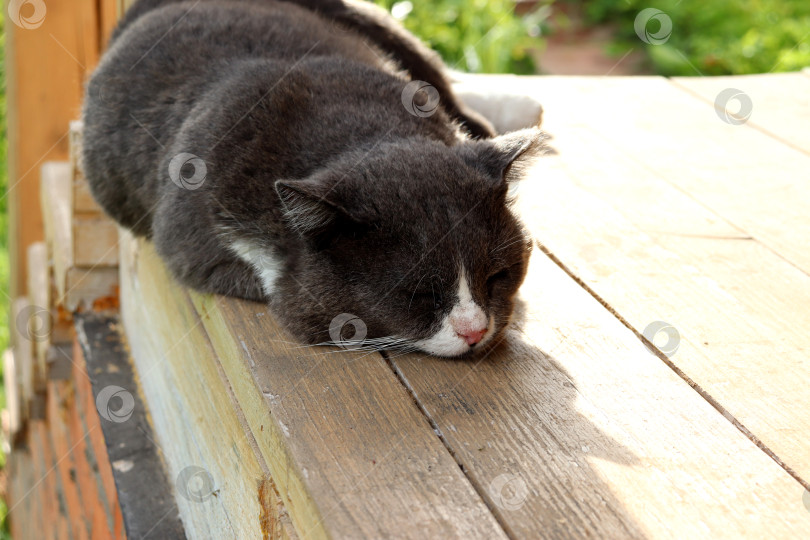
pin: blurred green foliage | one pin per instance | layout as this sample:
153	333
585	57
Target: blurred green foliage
715	37
478	36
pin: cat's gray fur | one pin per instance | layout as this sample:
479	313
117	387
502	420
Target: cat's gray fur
307	182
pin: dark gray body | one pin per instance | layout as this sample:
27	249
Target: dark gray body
277	102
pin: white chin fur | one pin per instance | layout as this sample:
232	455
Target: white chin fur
446	342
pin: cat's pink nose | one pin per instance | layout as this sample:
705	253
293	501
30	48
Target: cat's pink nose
472	336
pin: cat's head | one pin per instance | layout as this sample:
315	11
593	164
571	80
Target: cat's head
408	244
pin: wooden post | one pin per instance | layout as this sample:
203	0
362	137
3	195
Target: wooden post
50	50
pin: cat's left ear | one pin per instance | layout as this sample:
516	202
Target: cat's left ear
313	206
506	157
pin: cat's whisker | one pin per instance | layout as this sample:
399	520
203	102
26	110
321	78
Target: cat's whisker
504	245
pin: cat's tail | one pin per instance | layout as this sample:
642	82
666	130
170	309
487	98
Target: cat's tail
424	64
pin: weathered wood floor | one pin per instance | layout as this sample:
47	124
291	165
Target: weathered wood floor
654	211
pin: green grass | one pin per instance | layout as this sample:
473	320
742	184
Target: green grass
717	37
478	36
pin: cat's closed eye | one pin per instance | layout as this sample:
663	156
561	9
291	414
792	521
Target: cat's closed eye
430	298
500	277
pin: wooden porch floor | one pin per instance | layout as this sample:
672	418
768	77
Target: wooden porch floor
654	213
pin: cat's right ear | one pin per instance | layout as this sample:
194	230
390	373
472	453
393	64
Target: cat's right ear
507	156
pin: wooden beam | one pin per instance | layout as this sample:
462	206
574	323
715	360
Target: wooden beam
84	272
23	318
222	487
39	288
46	65
779	102
12	392
575	430
660	235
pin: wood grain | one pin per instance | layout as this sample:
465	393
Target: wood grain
349	450
56	211
20	320
95	241
574	429
46	69
653	251
744	176
76	286
39	297
211	461
82	199
780	105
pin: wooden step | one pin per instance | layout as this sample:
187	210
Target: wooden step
85	273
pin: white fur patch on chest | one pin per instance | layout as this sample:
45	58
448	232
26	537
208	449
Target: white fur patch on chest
466	317
266	264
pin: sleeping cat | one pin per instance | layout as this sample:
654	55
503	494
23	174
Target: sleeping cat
275	157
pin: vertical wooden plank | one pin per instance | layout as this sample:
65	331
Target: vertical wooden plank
108	17
46	64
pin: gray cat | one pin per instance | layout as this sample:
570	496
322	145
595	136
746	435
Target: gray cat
310	155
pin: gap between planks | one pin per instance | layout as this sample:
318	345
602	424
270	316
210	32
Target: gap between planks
678	371
745	234
752	123
479	489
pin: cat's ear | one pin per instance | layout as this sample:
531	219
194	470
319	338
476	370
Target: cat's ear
505	157
311	206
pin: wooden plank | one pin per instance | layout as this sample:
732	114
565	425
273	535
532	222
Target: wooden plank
95	241
76	287
109	18
779	102
56	196
95	288
735	303
573	429
13	398
220	483
82	199
39	295
746	177
46	65
23	332
357	443
339	436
